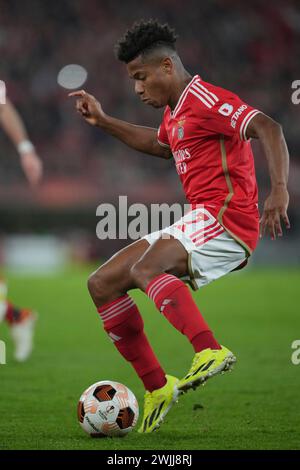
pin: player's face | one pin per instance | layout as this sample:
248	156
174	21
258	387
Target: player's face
151	82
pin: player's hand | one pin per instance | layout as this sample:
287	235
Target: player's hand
89	108
32	167
275	210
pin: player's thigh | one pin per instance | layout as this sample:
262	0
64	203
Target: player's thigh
164	255
114	274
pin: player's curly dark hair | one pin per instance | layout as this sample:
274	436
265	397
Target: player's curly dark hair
143	37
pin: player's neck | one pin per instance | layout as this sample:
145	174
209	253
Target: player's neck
183	80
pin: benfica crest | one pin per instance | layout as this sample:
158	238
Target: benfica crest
180	131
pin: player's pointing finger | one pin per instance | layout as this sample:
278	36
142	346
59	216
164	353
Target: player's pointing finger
80	93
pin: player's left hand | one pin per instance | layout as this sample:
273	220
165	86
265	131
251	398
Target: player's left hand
32	167
275	209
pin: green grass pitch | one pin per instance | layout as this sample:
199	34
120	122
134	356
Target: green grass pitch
257	406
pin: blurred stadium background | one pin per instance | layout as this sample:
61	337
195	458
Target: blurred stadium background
249	47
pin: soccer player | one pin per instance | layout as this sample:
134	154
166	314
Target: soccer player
207	130
20	320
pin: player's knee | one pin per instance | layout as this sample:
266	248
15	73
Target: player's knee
98	286
141	274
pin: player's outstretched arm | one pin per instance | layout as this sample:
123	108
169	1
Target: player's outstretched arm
143	139
272	139
13	125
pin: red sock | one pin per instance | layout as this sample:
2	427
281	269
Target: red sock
125	327
175	302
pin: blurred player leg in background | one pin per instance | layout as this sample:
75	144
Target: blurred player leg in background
21	322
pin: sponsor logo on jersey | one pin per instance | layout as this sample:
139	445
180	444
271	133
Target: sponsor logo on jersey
181	155
237	114
181	168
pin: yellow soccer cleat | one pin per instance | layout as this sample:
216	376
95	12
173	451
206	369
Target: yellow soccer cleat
206	364
157	404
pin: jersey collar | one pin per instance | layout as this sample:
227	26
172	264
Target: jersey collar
183	96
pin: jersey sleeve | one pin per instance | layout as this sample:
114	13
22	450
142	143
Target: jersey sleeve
221	111
162	135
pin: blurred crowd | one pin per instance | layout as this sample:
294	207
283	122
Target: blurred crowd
252	48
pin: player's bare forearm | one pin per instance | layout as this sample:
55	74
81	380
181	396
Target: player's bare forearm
143	139
272	139
274	145
14	127
12	123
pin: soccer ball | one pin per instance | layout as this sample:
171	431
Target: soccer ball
107	408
